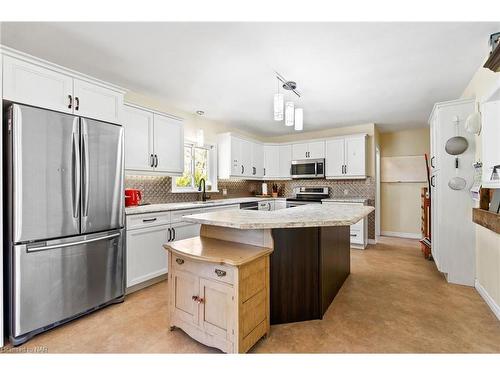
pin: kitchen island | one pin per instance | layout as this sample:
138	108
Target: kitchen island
311	252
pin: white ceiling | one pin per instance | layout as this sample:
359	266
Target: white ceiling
348	73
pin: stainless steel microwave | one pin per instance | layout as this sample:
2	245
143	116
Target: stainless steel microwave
308	168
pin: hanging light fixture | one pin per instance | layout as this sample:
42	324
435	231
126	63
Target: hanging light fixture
299	119
289	113
278	107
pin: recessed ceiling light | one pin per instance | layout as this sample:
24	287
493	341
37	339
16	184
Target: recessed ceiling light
201	113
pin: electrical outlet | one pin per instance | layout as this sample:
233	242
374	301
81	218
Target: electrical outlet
346	192
224	191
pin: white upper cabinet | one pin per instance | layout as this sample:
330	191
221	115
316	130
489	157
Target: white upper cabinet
285	161
235	154
168	145
271	161
346	157
28	83
316	150
138	125
311	150
94	101
153	142
257	160
246	158
490	136
355	156
335	157
45	85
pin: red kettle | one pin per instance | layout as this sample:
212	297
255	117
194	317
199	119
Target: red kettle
133	197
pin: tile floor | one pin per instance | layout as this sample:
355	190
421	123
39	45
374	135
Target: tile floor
393	301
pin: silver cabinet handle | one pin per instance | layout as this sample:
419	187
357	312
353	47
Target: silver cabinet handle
264	171
69	244
432	181
220	273
179	261
432	162
242	169
345	168
70	101
149	220
354	235
86	168
77	103
156	161
75	167
173	237
169	235
151	161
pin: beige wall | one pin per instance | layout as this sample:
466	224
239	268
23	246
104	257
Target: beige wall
487	242
334	132
400	201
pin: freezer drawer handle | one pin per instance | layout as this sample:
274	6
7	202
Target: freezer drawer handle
179	261
69	244
149	220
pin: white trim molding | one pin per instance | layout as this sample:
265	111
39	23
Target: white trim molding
414	236
487	298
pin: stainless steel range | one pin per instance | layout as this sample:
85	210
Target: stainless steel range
307	195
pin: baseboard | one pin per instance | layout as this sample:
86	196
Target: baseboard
415	236
372	242
487	298
145	284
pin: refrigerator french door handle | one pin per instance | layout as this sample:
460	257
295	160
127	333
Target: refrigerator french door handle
69	244
86	169
75	167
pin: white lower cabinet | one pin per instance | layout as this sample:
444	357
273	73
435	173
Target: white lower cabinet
359	231
146	258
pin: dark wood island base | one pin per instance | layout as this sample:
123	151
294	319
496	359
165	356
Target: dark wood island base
308	268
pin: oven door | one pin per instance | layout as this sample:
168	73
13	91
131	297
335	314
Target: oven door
314	168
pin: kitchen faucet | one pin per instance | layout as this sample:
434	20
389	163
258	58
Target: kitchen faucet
204	195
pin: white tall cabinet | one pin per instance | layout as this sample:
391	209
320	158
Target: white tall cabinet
154	142
453	235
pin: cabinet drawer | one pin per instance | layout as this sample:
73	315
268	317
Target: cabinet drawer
176	216
356	236
147	220
212	271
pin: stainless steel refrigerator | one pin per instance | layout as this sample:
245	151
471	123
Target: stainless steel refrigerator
66	253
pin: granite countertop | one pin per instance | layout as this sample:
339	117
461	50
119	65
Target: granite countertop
346	200
191	205
310	215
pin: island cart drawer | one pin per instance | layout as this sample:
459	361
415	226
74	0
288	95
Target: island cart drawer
212	271
148	220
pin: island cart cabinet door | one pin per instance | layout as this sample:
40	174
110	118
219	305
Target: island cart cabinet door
217	308
168	145
185	291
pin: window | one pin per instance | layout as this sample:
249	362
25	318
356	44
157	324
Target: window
199	162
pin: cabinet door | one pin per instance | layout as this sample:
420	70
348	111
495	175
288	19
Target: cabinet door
490	136
184	229
146	257
138	125
271	161
285	161
184	287
27	83
217	308
299	151
316	150
236	159
335	158
168	144
355	159
246	157
257	159
435	220
97	102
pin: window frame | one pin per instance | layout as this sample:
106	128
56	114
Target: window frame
212	170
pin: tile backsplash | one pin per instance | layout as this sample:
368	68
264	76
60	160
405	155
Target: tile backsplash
157	189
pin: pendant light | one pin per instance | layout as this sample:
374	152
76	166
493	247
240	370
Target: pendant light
299	119
278	105
289	113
